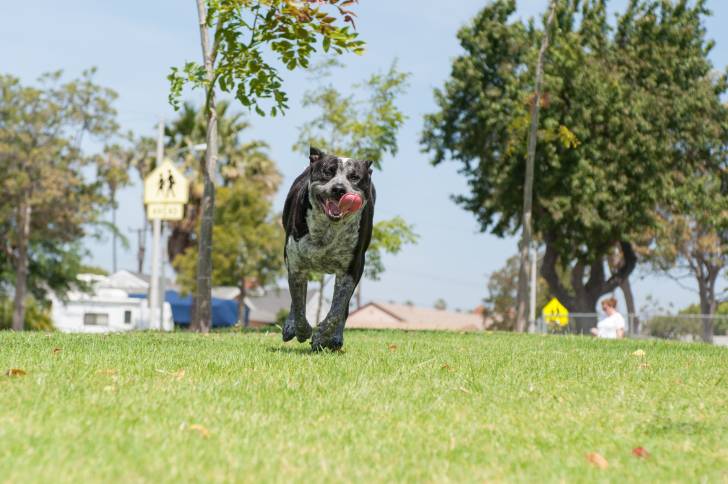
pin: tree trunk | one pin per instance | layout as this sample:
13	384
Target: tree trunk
193	313
241	304
358	295
142	243
616	261
525	244
113	233
585	295
204	261
21	265
626	288
708	305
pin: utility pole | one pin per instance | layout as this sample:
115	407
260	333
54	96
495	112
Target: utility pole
155	321
141	246
526	235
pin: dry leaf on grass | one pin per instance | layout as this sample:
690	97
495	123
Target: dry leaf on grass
447	367
392	347
596	459
178	375
107	371
639	353
200	429
57	350
15	372
640	452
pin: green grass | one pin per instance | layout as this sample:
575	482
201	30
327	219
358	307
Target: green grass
393	407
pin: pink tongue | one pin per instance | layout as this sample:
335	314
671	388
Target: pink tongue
350	203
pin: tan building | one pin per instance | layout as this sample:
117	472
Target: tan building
402	316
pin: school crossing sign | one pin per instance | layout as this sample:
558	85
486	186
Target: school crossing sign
555	313
166	190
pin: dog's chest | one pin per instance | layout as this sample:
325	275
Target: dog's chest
328	247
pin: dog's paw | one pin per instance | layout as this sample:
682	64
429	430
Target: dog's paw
326	340
300	331
303	332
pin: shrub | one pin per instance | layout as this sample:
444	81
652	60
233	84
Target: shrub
37	315
673	327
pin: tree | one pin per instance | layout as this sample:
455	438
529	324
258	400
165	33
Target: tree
113	167
362	128
245	35
249	242
692	238
440	304
503	293
48	204
237	159
526	232
617	119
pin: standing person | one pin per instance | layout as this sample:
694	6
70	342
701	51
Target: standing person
611	327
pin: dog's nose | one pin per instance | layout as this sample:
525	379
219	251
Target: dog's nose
338	191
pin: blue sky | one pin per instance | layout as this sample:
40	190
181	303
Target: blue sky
133	43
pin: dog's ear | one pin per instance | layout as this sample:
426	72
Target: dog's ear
369	166
315	154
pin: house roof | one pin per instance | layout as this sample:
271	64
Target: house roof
400	316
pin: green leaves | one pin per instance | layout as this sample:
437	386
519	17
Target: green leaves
252	40
361	127
624	111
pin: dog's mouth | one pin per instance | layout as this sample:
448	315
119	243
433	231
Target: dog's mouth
338	209
331	209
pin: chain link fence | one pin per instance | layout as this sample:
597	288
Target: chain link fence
682	327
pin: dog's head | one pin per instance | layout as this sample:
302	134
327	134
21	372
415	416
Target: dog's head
338	186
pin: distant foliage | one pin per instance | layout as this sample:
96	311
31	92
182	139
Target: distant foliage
37	315
630	110
364	127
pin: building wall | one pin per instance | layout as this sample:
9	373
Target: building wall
374	318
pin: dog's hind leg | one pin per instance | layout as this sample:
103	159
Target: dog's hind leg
296	324
330	332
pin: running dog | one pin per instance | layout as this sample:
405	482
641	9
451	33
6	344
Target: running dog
328	218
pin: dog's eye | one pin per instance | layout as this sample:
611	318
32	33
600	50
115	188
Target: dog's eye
330	171
353	177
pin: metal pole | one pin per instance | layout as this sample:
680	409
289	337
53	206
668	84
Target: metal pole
155	320
162	287
154	282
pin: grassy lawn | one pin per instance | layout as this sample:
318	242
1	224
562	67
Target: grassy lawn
392	407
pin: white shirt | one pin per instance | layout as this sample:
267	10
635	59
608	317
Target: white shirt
607	327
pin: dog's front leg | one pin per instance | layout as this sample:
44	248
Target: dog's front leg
296	323
330	331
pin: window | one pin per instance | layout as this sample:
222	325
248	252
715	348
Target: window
127	317
96	319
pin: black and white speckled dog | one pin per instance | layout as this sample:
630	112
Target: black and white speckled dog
328	222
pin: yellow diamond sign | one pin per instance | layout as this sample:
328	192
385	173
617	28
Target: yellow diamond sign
166	184
555	313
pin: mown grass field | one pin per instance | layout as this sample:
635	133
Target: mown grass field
414	407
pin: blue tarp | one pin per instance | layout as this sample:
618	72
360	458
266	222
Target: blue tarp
224	311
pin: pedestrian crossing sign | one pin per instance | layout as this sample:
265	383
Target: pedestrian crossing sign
166	184
555	313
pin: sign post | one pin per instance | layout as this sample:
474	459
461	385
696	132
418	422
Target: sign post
166	190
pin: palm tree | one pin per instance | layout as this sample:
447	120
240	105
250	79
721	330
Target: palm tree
236	158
